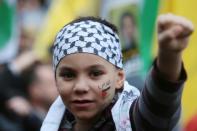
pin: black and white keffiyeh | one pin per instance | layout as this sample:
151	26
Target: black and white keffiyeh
88	37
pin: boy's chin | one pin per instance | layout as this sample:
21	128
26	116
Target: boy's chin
86	116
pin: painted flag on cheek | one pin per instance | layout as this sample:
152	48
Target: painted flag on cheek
104	88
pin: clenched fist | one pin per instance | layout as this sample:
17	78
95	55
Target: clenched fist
173	32
173	37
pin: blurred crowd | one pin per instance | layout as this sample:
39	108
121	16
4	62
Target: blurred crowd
27	86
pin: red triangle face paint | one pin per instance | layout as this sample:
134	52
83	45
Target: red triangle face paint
104	94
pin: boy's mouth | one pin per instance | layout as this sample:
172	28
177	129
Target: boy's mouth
82	101
82	104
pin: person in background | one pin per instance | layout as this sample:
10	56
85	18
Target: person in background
42	90
15	107
26	91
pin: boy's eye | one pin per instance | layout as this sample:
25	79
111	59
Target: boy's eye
95	73
67	75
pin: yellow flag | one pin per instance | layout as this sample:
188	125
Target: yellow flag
187	9
60	13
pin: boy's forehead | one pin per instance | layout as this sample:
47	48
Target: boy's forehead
84	60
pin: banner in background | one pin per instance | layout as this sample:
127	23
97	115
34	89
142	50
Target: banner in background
148	18
8	30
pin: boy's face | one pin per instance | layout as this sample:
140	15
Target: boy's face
87	84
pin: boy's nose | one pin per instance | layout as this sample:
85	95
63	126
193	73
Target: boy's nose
81	86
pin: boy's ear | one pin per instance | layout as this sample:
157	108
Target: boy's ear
120	79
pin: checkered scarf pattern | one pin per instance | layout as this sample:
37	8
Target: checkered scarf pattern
88	37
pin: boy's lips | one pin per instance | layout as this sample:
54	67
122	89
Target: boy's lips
82	104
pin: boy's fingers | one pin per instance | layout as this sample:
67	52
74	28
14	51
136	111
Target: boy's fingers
166	21
170	34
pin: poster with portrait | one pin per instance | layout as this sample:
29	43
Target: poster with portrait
125	15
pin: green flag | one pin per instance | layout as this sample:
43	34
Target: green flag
8	36
147	23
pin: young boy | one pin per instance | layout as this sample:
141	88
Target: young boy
94	95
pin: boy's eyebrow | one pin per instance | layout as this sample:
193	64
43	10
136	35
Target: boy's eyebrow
96	66
66	68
